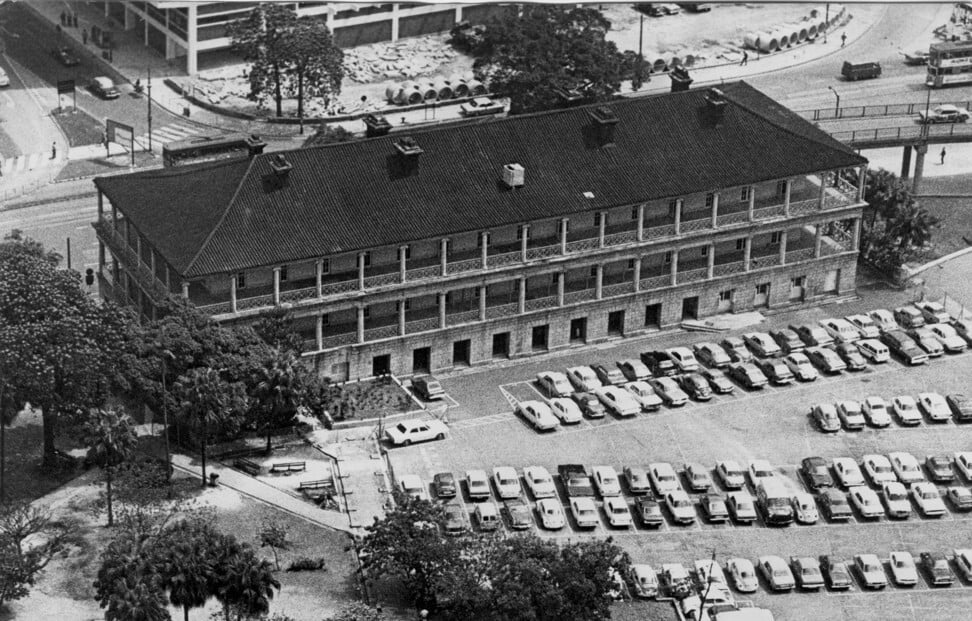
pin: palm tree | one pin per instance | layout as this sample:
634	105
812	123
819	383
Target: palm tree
911	226
111	439
187	564
136	602
207	402
277	393
244	583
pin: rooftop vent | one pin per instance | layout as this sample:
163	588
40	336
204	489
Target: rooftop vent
514	176
376	125
680	79
715	106
604	123
254	145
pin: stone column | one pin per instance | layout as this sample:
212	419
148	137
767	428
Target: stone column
101	256
484	248
906	162
233	292
319	278
823	189
361	271
637	274
600	229
319	331
920	150
678	216
752	202
521	300
715	209
856	239
185	289
524	241
817	240
442	310
786	197
482	303
782	247
711	266
561	283
599	282
641	222
444	255
401	318
276	286
674	267
101	205
748	253
861	182
361	324
401	263
563	234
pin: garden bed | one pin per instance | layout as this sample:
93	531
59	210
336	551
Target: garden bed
367	399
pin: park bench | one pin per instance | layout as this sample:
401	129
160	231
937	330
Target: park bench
288	467
250	467
319	490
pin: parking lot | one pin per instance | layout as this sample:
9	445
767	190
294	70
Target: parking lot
772	424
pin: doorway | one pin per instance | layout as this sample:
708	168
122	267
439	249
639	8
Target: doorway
381	365
501	345
690	308
762	295
653	316
460	353
422	360
578	330
538	340
615	325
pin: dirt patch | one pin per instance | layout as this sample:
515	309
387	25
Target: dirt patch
370	399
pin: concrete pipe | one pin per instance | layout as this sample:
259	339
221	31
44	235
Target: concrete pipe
675	62
412	93
802	34
468	77
689	60
812	32
393	93
476	88
795	37
768	43
782	38
659	66
443	88
751	40
459	87
818	12
429	92
821	28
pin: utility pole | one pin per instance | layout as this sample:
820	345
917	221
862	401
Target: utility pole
149	80
641	56
826	22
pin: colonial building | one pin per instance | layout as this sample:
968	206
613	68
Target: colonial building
188	29
466	243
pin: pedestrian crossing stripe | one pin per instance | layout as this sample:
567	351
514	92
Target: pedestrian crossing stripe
166	134
26	162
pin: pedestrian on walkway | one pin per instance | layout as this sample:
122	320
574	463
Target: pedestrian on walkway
84	36
843	39
53	150
745	59
943	156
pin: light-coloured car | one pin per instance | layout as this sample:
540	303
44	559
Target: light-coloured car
644	580
875	410
948	337
711	354
871	571
584	511
551	513
906	409
645	395
480	106
826	359
668	390
960	498
554	383
742	508
895	497
743	574
840	329
697	477
945	113
408	432
933	312
709	572
4	78
762	344
663	478
864	325
883	319
776	572
928	499
634	370
878	469
732	474
566	410
926	340
934	406
637	479
825	415
804	508
906	467
583	378
617	512
963	461
904	572
684	359
847	471
866	501
618	400
103	87
412	485
759	470
800	366
963	560
538	414
539	481
850	414
908	317
477	484
507	482
606	480
681	507
806	570
719	381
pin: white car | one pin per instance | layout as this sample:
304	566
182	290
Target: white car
584	511
884	319
906	409
948	337
878	469
412	485
963	459
551	513
850	414
683	358
741	507
681	507
477	483
540	482
618	400
841	330
762	344
566	410
538	414
804	508
645	395
928	500
4	78
743	574
933	312
663	478
871	571
732	474
904	572
867	502
934	406
711	354
807	572
800	366
776	572
906	467
895	497
634	369
616	510
644	580
963	560
480	106
409	431
668	390
864	325
760	469
584	379
507	482
606	480
848	474
876	412
554	383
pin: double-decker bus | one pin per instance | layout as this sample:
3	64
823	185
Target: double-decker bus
208	148
949	63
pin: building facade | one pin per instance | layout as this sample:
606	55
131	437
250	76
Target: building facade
177	28
464	244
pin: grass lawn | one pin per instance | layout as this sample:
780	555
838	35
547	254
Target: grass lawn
80	127
370	399
955	217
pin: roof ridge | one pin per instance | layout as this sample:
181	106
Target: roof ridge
222	218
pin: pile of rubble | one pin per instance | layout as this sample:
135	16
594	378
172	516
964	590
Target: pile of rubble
401	60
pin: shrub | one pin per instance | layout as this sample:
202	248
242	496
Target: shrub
306	564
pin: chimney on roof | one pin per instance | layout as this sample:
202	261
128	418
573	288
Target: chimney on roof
605	122
680	79
254	145
714	108
514	176
279	173
376	125
408	153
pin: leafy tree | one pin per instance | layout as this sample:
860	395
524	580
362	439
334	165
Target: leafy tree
241	581
273	535
20	562
529	57
894	227
276	328
328	134
262	38
278	392
316	63
8	413
111	439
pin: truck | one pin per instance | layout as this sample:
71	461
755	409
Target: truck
774	501
860	71
576	480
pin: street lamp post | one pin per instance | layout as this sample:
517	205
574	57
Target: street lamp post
837	107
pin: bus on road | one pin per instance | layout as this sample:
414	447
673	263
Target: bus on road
208	148
949	64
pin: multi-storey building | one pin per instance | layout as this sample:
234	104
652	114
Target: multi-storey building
180	28
465	243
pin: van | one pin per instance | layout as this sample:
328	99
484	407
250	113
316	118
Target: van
428	388
774	501
860	71
487	516
874	350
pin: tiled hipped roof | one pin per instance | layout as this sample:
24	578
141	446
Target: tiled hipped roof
224	217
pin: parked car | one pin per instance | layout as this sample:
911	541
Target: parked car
606	480
732	475
428	388
933	312
711	354
906	467
538	414
663	478
813	336
575	480
103	87
894	495
675	581
649	511
866	501
539	482
583	378
477	484
934	406
566	410
848	473
762	344
806	570
936	567
667	388
608	376
66	56
551	513
617	513
695	386
927	341
871	571
850	415
928	499
902	346
589	404
835	573
637	479
963	560
776	370
748	375
776	573
454	519
554	383
743	574
878	469
948	337
883	319
645	395
825	415
908	317
408	432
681	507
584	512
708	572
634	370
618	400
480	106
906	409
643	580
804	508
507	482
825	359
816	473
840	329
718	380
412	485
736	349
4	78
964	329
960	498
714	507
835	505
742	507
697	477
683	358
873	350
876	412
519	513
660	363
444	484
963	461
487	516
961	407
851	356
864	325
946	113
788	340
800	367
903	569
939	468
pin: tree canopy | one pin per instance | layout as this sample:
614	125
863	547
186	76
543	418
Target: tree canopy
895	228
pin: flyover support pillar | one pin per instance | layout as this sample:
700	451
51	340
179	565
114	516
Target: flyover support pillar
906	162
921	149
